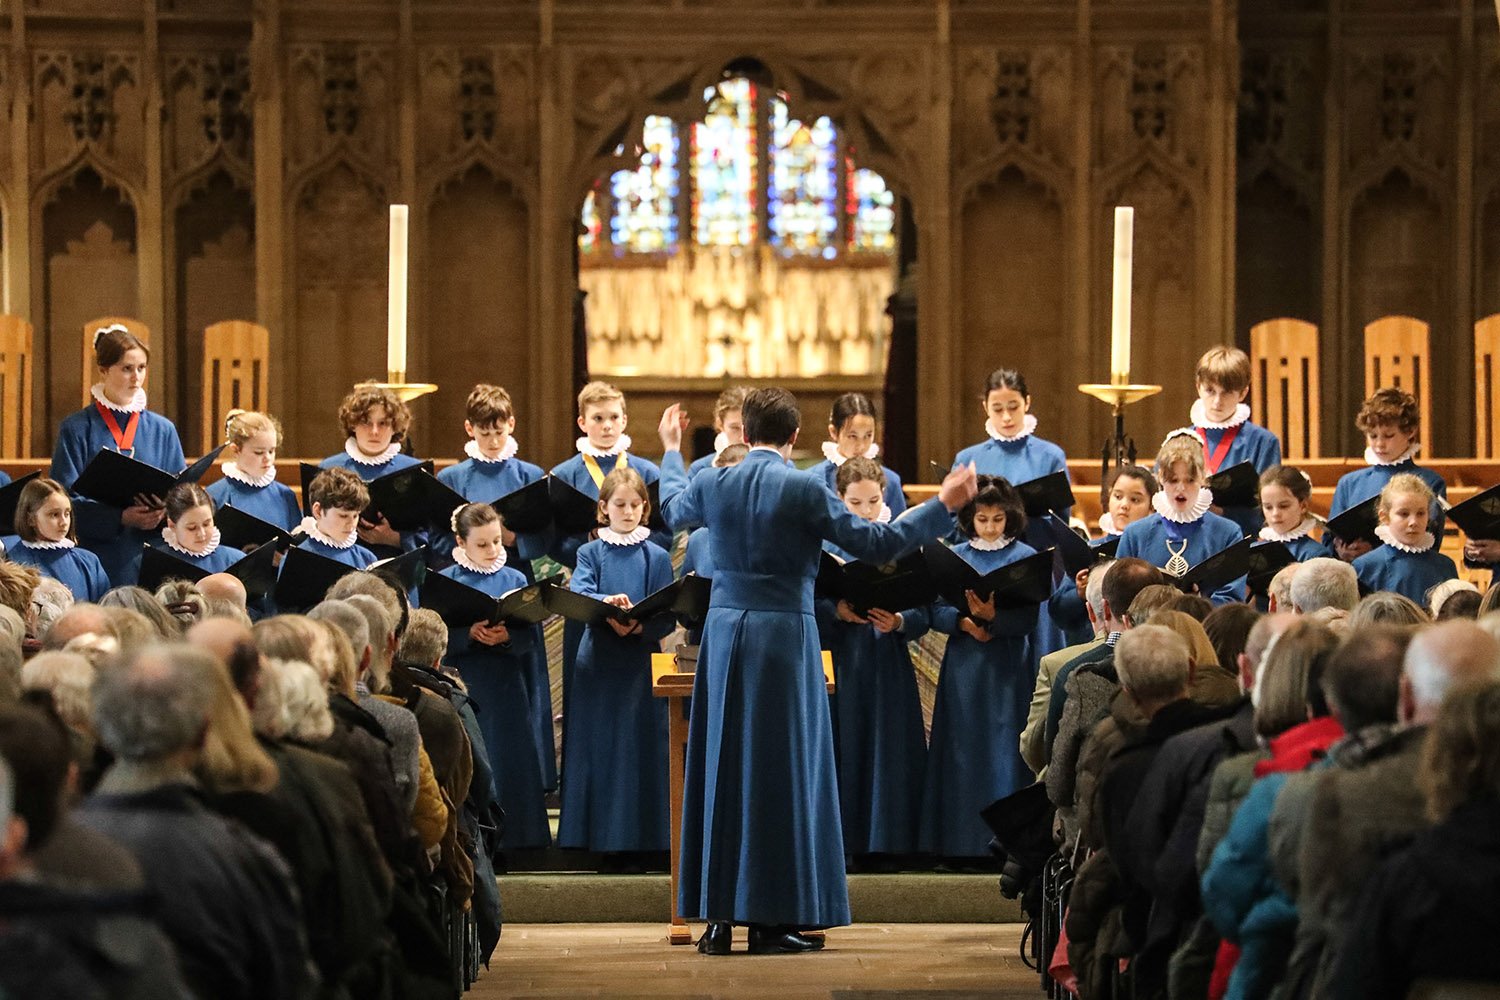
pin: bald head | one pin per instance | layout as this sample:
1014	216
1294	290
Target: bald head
224	587
1440	658
80	619
233	644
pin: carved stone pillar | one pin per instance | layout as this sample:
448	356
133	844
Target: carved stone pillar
18	219
151	265
271	210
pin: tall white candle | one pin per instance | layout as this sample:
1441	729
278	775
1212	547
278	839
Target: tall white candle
1119	332
395	342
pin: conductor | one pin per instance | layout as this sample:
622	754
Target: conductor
761	839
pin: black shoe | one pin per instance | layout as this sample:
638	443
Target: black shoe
778	939
717	939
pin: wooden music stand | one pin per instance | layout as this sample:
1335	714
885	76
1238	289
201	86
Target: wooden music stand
1284	384
669	680
15	386
142	333
236	365
1397	355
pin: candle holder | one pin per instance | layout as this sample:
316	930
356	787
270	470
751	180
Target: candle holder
404	390
1119	449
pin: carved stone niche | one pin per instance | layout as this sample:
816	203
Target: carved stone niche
88	98
1149	95
1012	98
1399	102
208	110
341	95
476	98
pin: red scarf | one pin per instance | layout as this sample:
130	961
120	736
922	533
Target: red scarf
1217	456
124	440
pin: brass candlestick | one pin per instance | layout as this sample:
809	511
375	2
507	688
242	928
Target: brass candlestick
404	390
1120	448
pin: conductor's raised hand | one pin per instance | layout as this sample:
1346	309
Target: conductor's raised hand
959	487
673	423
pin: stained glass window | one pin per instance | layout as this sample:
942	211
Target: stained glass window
588	240
644	219
724	166
872	212
803	183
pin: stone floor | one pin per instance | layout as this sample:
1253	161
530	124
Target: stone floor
863	962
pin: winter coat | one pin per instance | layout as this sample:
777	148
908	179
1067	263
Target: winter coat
1033	737
1090	689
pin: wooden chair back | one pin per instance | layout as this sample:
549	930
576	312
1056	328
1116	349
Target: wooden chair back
1285	392
236	365
15	387
1486	395
91	370
1398	355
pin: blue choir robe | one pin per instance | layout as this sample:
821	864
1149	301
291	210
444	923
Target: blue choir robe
497	679
409	539
1210	534
1253	444
217	561
1021	461
983	694
1067	606
699	464
894	498
486	482
762	840
5	479
615	795
1361	484
1410	574
878	738
698	559
1305	548
274	503
355	555
76	568
82	436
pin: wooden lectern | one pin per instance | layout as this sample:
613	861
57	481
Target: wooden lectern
672	678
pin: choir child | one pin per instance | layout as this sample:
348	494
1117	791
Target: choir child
1222	421
1391	423
1409	562
1126	497
1183	531
490	471
249	482
1015	453
375	422
851	434
614	796
119	420
494	662
190	534
1284	493
729	422
338	498
48	541
877	716
984	686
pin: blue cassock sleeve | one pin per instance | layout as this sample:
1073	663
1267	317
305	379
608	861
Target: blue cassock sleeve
585	579
681	501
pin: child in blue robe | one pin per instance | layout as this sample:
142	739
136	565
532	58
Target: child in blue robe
1222	422
614	792
118	420
249	482
984	686
1391	422
338	497
494	663
1183	531
376	421
47	540
851	433
490	471
877	716
1409	562
190	534
729	423
1284	495
1126	497
1014	453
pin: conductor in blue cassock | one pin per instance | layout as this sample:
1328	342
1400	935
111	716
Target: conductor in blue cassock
761	838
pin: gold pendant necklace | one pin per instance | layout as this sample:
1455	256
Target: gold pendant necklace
1177	565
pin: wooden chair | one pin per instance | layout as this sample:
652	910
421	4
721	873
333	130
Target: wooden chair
1284	387
1486	397
15	387
1397	355
236	365
91	370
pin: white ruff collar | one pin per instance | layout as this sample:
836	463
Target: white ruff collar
61	543
352	450
137	402
1383	532
170	537
832	453
980	545
1200	418
721	441
1107	524
584	448
884	517
462	558
507	451
1406	456
231	470
309	527
1028	428
1163	506
1270	534
610	536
